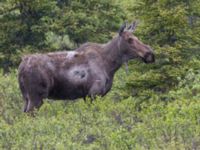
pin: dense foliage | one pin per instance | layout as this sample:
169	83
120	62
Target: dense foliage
154	106
49	25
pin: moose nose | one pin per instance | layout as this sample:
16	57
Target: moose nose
149	58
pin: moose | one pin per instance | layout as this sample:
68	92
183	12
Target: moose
86	71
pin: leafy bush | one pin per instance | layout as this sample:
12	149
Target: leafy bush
169	120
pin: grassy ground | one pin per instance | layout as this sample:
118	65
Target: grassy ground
146	120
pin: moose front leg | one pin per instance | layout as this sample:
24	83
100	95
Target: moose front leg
96	89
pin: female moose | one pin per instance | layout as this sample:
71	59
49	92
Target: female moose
87	71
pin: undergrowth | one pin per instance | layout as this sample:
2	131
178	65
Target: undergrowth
144	117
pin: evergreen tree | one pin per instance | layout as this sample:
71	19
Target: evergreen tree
48	25
164	22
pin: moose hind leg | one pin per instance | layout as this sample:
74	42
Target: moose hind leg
25	97
34	103
25	104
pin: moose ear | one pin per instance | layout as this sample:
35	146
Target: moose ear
133	26
121	30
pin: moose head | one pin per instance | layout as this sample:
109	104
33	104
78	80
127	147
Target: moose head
132	47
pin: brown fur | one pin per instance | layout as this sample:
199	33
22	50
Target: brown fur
87	71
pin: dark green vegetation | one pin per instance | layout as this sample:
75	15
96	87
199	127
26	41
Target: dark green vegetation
155	106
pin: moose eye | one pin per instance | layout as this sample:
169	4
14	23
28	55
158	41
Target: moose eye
130	40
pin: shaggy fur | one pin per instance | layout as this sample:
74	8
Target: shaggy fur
87	71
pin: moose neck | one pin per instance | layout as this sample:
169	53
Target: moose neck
113	56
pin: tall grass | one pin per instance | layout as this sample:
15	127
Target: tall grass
111	122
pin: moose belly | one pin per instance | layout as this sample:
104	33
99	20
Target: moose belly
63	92
70	84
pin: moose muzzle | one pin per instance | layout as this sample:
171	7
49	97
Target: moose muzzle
149	57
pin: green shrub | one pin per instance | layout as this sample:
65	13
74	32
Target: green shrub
145	121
